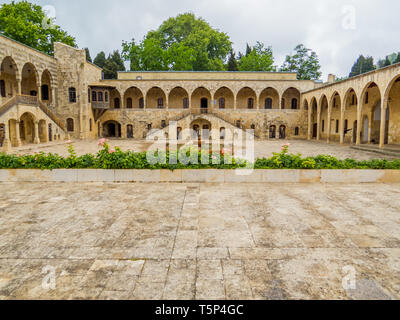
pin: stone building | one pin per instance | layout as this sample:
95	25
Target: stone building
46	99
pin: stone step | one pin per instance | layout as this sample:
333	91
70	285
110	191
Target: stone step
386	151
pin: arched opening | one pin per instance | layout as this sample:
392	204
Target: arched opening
336	105
129	131
112	129
272	132
178	99
156	98
132	98
70	125
292	97
200	100
29	80
43	131
392	124
222	133
115	99
46	87
27	128
269	99
365	130
305	105
201	129
8	78
282	132
179	133
350	115
50	132
370	128
225	98
245	98
314	117
324	117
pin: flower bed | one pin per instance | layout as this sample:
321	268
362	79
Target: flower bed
187	158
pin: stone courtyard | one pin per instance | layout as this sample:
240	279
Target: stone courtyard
199	241
261	148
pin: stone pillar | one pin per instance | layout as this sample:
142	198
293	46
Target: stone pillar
53	96
257	102
341	127
359	125
383	126
318	124
6	143
19	86
17	134
234	102
36	139
309	125
166	101
40	92
329	126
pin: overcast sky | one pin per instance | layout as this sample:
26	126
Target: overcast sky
337	30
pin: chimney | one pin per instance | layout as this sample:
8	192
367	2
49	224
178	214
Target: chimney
331	78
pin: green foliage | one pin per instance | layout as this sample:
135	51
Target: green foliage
362	65
232	62
100	59
182	43
112	65
28	24
257	58
305	62
187	158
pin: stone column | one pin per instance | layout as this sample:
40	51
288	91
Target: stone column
235	102
19	86
166	101
257	102
329	126
17	134
36	139
383	126
53	96
309	125
318	124
341	127
6	143
359	125
40	92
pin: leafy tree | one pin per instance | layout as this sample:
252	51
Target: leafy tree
28	24
181	43
100	59
88	57
113	64
259	58
248	49
305	62
397	60
362	65
232	62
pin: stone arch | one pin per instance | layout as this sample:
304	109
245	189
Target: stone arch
9	74
115	99
392	100
370	97
269	98
305	105
323	109
246	98
135	94
111	129
291	96
350	113
225	98
156	98
201	129
46	86
27	127
178	98
313	111
201	99
29	80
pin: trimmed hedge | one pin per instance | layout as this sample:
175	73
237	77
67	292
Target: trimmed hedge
108	158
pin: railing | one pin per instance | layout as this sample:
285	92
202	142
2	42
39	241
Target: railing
6	106
30	100
100	105
52	116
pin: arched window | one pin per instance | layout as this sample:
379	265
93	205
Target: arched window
283	103
250	103
323	125
253	127
129	103
268	103
45	92
294	104
222	103
160	103
72	95
186	103
2	88
222	133
116	103
141	103
163	124
94	96
70	125
100	96
282	132
129	131
272	132
296	131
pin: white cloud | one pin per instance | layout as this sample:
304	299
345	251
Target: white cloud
102	25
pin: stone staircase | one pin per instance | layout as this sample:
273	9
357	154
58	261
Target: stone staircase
389	150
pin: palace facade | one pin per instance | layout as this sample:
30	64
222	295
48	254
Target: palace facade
45	99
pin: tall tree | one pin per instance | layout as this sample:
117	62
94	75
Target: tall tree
100	59
28	24
112	65
397	58
248	49
181	43
362	65
88	57
305	62
232	62
258	58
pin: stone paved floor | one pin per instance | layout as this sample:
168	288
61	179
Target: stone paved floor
212	241
262	148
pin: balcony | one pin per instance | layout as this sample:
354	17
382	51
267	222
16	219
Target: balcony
100	105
